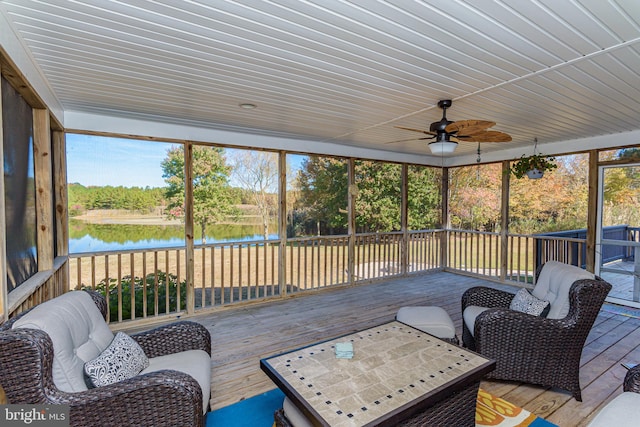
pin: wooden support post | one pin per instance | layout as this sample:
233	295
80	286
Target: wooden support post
282	229
44	196
61	213
592	212
188	226
446	225
504	221
61	198
3	237
404	247
352	194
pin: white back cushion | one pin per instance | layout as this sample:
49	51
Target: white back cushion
469	317
78	331
554	283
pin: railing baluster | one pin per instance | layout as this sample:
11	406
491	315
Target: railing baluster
222	271
119	287
144	284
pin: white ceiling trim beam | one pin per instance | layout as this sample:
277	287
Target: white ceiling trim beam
552	148
81	121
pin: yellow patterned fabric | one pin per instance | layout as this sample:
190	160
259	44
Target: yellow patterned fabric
494	411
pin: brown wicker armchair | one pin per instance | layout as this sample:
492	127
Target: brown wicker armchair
534	349
632	380
161	398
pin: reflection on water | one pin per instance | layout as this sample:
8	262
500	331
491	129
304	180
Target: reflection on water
84	237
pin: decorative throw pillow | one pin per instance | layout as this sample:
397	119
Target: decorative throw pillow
122	359
527	303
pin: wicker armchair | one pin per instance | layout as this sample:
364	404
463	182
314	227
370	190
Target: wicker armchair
632	380
161	398
532	349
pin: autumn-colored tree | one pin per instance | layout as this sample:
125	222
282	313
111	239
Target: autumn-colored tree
475	197
621	204
211	190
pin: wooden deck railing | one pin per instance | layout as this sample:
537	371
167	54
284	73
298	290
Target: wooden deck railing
474	252
152	283
480	253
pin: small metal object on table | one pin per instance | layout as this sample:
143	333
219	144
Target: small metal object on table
399	375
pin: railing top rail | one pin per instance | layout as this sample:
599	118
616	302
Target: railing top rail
620	243
125	251
560	239
489	233
384	233
171	248
325	237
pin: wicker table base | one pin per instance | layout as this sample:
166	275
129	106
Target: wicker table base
458	410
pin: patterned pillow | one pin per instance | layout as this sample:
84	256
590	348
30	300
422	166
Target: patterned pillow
122	359
527	303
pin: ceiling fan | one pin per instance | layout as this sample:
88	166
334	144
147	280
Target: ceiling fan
446	134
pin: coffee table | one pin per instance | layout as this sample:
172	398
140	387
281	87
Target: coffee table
399	375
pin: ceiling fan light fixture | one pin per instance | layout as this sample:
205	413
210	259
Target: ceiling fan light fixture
440	148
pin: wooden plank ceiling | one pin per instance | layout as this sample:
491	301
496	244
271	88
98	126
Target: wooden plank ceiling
343	71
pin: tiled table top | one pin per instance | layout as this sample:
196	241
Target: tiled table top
394	366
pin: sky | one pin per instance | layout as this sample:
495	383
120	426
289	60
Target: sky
99	161
95	160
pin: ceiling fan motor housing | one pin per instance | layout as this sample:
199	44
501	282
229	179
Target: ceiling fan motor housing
439	127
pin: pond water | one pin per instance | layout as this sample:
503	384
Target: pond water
85	237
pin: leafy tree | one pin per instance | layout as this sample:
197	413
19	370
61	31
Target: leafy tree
322	195
556	202
379	196
211	190
257	172
424	198
322	201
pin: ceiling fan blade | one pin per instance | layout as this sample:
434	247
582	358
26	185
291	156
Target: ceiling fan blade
410	139
486	136
467	127
416	130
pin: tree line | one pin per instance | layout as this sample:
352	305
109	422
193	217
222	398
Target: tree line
318	193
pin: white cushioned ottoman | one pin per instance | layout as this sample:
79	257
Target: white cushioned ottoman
620	412
430	319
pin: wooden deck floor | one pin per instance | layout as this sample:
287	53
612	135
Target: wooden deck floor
241	336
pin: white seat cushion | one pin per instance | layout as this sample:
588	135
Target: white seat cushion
430	319
78	331
554	283
620	412
196	363
469	316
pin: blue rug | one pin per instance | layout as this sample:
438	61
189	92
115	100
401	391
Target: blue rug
257	411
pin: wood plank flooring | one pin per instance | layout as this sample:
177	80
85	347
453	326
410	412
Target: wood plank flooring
242	335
